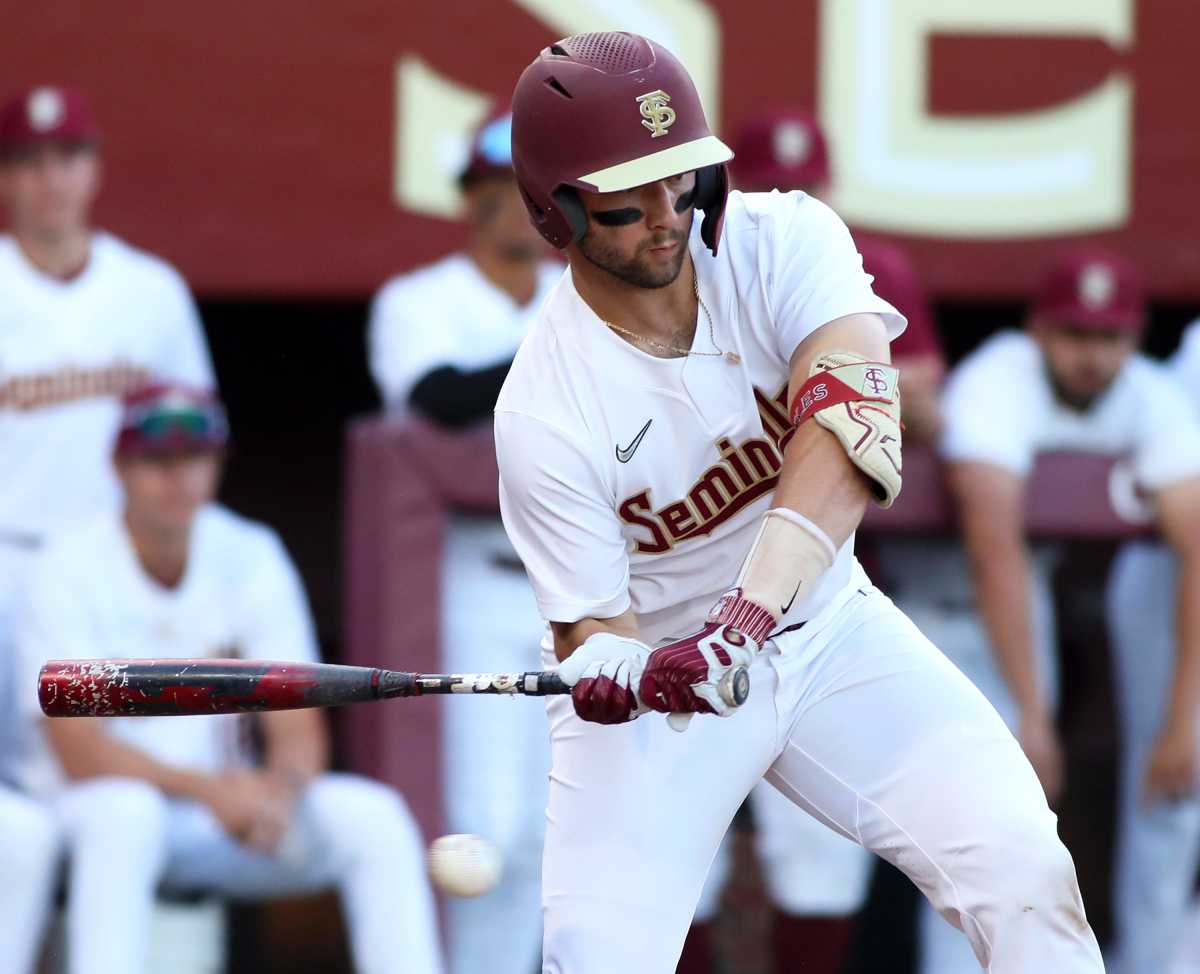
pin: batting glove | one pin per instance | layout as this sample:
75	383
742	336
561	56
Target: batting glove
682	677
603	673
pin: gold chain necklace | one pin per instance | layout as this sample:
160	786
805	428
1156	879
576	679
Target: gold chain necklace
732	357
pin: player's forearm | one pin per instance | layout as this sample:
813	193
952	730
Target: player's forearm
819	481
569	636
1185	687
297	745
85	751
1002	574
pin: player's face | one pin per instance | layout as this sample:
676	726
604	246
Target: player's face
164	491
640	235
1083	362
48	189
501	223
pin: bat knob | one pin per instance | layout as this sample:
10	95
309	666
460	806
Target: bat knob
734	687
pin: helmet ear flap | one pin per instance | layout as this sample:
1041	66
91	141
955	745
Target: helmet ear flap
712	190
573	210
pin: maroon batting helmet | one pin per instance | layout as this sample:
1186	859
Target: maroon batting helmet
605	112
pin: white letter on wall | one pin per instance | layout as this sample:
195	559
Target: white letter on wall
1059	170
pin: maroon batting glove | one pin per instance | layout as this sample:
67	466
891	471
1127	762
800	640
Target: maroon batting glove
683	676
602	674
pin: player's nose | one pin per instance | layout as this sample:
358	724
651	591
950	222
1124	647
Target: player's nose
658	204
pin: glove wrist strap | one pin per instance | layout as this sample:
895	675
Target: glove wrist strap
747	617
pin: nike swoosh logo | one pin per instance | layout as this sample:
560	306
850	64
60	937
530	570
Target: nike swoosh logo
625	454
790	601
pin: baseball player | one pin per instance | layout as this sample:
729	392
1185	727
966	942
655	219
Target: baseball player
1073	381
174	801
818	880
441	342
695	396
1154	645
83	318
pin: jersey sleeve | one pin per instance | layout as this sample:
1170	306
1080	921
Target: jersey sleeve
404	342
1168	440
274	622
561	521
983	419
184	351
1185	363
813	271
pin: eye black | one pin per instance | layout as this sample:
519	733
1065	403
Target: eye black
686	200
617	218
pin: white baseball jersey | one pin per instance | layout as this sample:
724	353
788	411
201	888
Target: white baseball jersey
1000	408
446	314
68	351
1185	363
630	480
89	597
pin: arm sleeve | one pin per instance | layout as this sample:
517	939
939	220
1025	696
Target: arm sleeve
185	356
405	343
983	421
1168	441
274	622
454	397
813	272
561	521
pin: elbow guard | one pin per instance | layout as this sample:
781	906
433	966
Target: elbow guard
859	402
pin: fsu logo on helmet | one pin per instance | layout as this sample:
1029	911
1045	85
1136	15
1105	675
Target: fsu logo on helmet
656	115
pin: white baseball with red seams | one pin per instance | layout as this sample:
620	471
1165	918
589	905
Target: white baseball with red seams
855	716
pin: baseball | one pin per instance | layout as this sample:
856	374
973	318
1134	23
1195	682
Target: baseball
464	865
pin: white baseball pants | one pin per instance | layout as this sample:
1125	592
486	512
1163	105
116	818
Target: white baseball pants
125	838
496	758
29	866
1158	843
860	721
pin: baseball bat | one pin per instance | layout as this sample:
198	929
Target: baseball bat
182	687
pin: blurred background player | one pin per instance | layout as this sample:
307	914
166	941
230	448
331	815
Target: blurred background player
1073	380
84	317
441	341
175	801
1154	635
816	879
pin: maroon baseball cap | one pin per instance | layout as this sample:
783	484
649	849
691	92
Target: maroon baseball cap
46	113
782	149
1092	288
165	418
896	281
491	148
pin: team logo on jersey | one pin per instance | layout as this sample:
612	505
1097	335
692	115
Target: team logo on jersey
41	390
657	116
745	472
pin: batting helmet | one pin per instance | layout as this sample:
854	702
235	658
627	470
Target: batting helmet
605	112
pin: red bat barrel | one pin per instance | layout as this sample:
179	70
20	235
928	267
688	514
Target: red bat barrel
177	687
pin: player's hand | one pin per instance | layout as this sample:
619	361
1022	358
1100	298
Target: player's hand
1174	772
1039	739
236	798
603	674
277	800
682	677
